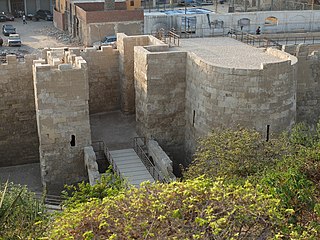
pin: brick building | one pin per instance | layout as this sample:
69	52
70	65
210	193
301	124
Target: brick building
90	21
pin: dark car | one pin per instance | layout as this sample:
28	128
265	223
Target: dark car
8	29
2	17
1	41
106	41
44	14
9	16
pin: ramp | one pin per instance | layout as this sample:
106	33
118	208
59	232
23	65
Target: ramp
129	166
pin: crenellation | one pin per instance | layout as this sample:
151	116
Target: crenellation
177	95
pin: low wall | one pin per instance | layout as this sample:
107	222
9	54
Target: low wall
160	159
91	165
287	21
18	127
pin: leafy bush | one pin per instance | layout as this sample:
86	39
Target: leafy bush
236	154
109	185
21	215
194	209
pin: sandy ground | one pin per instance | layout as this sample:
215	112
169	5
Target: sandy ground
35	36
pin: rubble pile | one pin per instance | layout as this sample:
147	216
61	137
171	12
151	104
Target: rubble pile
59	35
18	52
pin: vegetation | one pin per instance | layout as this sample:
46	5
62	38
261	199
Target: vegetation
194	209
238	187
21	215
236	154
109	185
287	167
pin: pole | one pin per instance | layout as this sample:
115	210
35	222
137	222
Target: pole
185	17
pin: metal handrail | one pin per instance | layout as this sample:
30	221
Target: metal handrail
174	36
112	162
146	161
101	147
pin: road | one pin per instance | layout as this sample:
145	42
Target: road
34	36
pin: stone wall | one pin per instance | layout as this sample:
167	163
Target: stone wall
18	128
308	85
103	74
160	98
219	97
104	79
125	45
94	32
61	94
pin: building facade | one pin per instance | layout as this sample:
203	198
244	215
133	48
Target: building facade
26	6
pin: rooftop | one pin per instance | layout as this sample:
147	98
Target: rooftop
227	52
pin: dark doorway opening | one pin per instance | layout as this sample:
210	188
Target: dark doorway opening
17	7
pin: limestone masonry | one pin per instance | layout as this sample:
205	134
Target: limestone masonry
178	94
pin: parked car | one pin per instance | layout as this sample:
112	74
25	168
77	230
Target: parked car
44	14
8	29
1	41
2	17
106	41
14	40
9	16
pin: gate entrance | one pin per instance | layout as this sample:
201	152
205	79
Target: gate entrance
17	7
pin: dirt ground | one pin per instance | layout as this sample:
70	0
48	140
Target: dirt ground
34	37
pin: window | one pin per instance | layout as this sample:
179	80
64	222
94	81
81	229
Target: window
271	21
73	141
244	22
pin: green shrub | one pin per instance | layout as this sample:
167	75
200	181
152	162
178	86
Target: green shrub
21	215
109	185
194	209
236	154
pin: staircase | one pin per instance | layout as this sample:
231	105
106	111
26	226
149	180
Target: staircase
130	167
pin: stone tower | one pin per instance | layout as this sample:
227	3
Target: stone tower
61	96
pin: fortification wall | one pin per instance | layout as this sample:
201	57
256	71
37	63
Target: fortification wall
125	45
160	98
308	85
18	128
218	97
61	94
104	79
103	74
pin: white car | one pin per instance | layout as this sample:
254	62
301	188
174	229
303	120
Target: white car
14	40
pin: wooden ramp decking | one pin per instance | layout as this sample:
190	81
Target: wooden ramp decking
130	166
